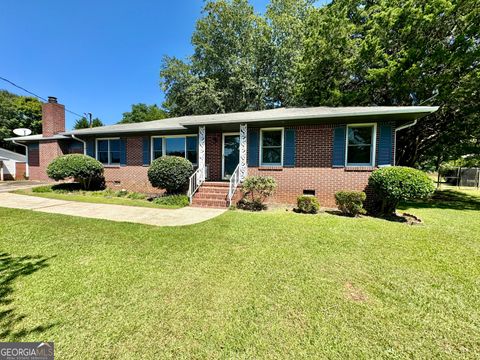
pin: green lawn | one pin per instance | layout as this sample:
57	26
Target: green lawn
246	285
98	197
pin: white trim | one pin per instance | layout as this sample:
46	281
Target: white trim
223	150
108	151
373	145
260	162
163	137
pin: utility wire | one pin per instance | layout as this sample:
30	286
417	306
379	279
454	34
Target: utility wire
37	96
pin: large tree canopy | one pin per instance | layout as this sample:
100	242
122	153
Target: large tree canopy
348	53
142	112
18	112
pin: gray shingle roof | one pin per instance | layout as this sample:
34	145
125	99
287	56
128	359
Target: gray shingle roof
280	114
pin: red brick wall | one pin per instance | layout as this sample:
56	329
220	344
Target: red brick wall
324	181
213	154
313	169
40	157
313	146
132	177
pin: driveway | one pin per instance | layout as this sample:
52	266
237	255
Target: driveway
149	216
6	186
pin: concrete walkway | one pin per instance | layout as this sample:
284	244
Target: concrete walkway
6	186
134	214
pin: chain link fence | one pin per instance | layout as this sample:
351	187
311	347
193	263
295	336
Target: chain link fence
460	177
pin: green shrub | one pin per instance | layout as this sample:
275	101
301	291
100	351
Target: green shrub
136	196
350	202
256	189
42	189
84	169
179	200
394	184
252	205
121	193
170	173
307	204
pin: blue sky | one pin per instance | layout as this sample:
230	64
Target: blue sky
95	56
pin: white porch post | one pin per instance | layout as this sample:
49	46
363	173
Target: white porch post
243	152
201	151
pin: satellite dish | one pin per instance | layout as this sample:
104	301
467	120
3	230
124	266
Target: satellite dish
22	132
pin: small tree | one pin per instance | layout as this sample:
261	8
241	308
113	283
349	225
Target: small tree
170	173
84	169
397	183
256	189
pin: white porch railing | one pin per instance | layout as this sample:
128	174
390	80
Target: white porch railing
197	179
234	181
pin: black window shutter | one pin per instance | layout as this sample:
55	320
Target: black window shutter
123	152
146	150
253	142
91	148
289	148
338	156
385	145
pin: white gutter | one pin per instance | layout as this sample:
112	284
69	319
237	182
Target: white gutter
82	141
395	140
27	166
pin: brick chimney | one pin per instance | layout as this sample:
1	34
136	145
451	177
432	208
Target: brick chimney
53	117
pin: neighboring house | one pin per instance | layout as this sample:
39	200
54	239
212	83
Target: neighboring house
316	151
12	165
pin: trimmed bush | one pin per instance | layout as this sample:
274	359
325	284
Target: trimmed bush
178	200
256	190
307	204
394	184
350	203
84	169
170	173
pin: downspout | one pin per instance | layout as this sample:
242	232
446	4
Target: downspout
27	165
82	141
395	144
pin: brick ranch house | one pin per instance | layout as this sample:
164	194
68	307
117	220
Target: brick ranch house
317	150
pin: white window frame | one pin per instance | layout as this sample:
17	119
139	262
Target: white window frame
373	146
109	154
261	147
163	137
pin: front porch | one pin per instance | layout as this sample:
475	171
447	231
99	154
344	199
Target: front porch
223	162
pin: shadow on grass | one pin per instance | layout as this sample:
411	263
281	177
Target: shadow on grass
11	269
447	199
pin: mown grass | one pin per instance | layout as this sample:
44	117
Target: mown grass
106	197
246	285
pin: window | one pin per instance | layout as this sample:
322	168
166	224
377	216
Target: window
175	146
183	146
108	151
360	145
271	147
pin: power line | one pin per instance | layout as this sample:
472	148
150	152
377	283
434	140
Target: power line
37	96
18	86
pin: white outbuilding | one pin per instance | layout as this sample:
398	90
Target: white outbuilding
12	165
